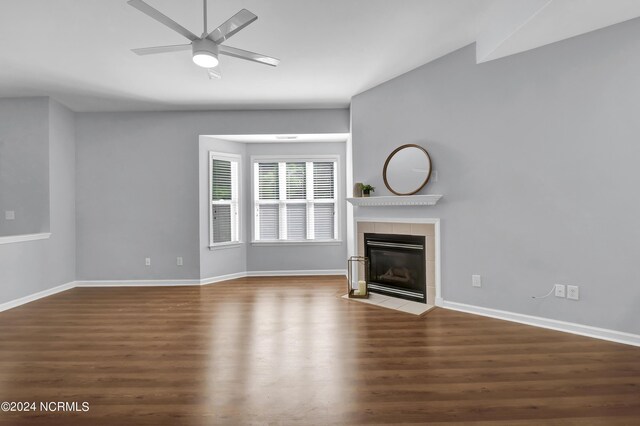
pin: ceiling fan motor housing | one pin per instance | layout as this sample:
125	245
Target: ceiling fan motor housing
207	49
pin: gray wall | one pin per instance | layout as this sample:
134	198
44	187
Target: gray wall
538	158
24	165
33	266
137	184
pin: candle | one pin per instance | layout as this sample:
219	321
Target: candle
362	287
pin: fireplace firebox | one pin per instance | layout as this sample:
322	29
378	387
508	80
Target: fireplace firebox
397	265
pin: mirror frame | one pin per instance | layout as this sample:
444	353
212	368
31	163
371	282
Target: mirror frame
386	164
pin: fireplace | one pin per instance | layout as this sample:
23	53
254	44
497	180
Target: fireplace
397	265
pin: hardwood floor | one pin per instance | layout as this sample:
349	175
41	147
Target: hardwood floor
291	351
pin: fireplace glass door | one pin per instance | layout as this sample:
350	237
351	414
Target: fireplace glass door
397	265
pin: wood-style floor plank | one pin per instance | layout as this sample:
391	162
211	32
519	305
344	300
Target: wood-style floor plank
290	351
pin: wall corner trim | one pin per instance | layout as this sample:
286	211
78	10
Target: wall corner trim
567	327
35	296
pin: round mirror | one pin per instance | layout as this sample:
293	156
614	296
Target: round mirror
407	170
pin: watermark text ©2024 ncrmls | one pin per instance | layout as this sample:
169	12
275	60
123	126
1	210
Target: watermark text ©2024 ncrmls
46	406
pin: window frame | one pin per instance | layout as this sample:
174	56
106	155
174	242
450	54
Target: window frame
237	158
282	201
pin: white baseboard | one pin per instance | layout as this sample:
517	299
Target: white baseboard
219	278
209	280
22	238
137	283
567	327
35	296
305	272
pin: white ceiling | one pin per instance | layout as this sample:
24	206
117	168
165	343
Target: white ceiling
77	51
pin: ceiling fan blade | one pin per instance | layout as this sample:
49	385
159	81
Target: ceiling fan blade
214	73
162	18
232	26
161	49
249	56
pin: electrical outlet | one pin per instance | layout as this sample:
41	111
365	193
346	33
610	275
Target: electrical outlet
559	290
10	215
179	261
476	281
434	175
573	292
147	261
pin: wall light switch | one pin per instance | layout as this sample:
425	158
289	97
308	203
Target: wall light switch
179	261
476	281
559	290
147	261
10	215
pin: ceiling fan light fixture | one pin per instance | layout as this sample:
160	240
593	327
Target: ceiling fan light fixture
205	53
205	60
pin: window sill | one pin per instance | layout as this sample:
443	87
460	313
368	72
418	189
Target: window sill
224	246
297	243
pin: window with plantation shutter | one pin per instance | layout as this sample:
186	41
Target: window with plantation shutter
324	197
295	200
223	197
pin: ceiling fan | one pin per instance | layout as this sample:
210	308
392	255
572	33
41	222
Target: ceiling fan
206	48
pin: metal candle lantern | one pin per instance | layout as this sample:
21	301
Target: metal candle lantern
358	277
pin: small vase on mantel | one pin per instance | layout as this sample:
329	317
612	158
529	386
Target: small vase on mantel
357	190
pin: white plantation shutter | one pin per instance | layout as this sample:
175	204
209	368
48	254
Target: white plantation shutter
220	179
268	221
221	223
295	200
268	181
224	222
296	181
323	180
268	194
324	189
297	221
324	223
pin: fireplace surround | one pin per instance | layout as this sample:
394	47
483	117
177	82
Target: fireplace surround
426	228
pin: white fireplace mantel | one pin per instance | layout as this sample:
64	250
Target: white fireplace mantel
396	200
